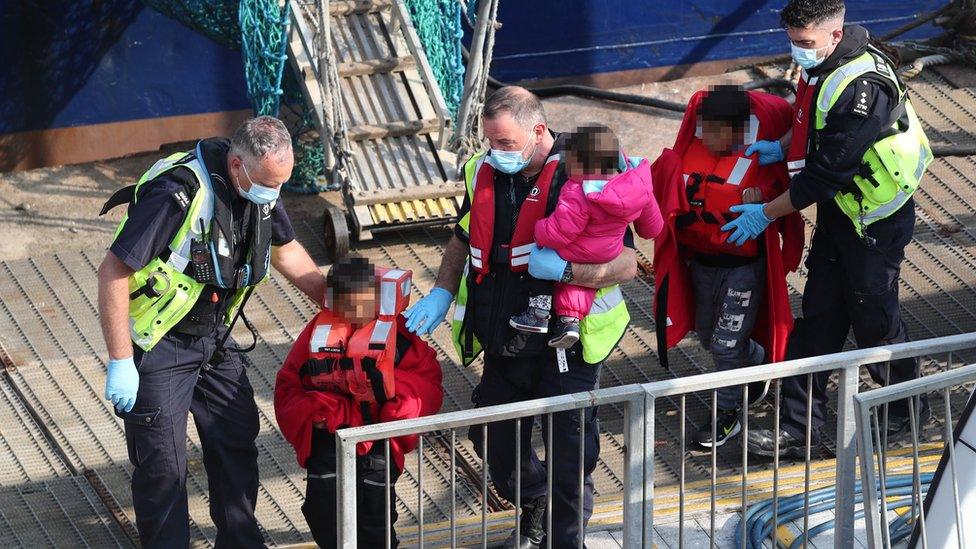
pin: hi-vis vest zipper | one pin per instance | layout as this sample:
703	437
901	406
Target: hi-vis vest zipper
160	294
600	330
893	167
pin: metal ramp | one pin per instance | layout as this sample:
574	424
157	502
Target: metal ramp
393	116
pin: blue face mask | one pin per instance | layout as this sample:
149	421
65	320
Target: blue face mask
509	162
806	58
258	194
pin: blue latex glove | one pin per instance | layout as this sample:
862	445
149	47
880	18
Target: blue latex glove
428	312
770	152
750	224
122	384
545	264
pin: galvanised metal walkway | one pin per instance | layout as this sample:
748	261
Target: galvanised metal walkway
64	474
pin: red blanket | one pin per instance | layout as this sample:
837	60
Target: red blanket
418	393
674	297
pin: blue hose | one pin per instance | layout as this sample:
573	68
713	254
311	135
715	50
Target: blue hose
758	518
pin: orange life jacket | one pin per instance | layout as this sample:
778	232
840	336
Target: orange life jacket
359	362
713	185
483	218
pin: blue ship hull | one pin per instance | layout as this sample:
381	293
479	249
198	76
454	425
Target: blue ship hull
70	64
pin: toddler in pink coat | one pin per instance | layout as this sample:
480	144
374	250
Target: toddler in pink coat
596	204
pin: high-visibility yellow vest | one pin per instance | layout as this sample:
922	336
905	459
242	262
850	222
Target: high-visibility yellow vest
160	294
893	167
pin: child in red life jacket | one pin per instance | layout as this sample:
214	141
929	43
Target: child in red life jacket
734	297
596	204
355	363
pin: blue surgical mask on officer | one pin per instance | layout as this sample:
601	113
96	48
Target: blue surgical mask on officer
511	162
807	58
258	194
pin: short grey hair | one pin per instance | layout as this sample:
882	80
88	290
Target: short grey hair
260	137
517	101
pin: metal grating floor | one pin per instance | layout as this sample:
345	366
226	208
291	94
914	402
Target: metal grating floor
63	469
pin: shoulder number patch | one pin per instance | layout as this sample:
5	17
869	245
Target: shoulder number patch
182	199
862	99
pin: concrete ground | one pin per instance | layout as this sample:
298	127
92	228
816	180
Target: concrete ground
56	209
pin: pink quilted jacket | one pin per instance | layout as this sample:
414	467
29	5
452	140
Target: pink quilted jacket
589	228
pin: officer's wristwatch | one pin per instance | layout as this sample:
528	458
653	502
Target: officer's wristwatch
567	273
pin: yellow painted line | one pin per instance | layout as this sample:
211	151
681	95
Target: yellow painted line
697	497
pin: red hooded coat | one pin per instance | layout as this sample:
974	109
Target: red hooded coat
674	296
418	393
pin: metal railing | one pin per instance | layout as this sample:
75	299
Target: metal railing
639	403
872	413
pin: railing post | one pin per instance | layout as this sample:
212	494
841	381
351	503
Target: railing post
648	459
346	493
634	467
847	385
868	480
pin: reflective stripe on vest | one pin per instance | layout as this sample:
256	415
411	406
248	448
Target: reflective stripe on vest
607	301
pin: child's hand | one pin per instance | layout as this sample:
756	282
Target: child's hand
752	195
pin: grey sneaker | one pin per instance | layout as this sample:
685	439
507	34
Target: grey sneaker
566	334
533	320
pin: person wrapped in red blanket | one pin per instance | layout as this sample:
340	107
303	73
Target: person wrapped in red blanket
350	367
734	297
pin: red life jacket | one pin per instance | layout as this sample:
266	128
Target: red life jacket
482	227
359	362
713	185
806	90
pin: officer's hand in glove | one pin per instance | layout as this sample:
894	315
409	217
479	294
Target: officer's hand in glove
545	264
750	224
122	384
770	152
428	312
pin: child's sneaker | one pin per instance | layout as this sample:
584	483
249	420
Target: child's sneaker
534	320
567	333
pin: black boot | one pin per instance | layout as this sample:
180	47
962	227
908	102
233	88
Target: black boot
530	537
762	442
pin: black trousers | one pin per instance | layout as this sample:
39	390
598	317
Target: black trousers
172	384
508	379
320	494
852	282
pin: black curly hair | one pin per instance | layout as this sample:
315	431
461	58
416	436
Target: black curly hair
351	274
801	13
